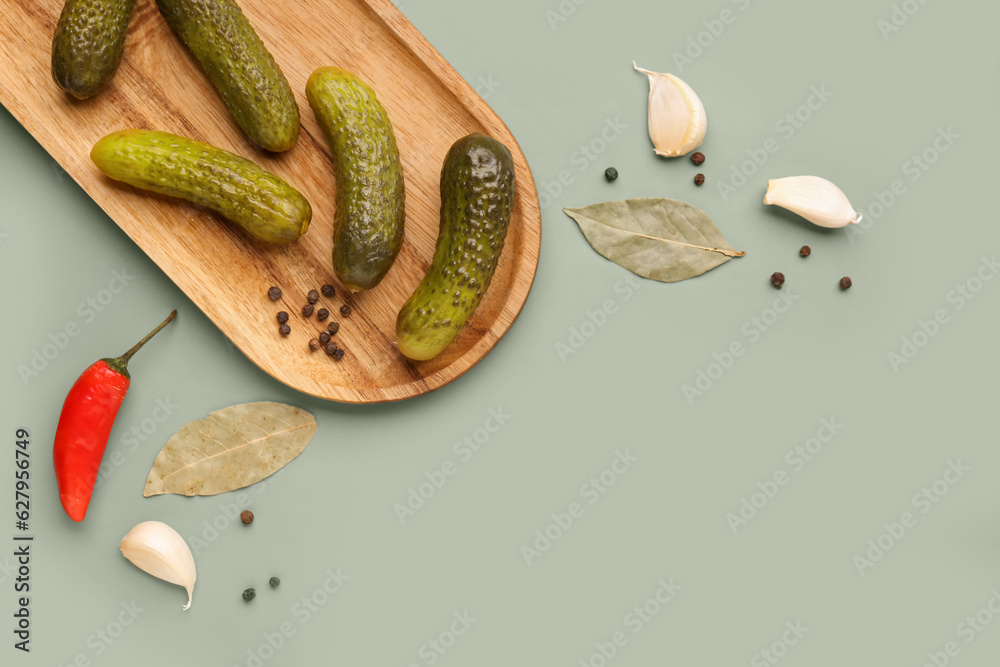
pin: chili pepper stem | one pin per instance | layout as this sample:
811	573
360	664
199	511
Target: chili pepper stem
120	364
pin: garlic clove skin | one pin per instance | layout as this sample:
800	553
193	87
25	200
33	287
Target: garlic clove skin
677	119
816	199
158	549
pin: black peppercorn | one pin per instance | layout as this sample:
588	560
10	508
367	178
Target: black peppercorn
698	158
313	344
274	581
313	296
307	310
345	310
331	348
610	174
338	354
246	516
778	279
322	314
249	594
282	317
845	283
285	329
328	290
333	327
274	293
805	251
324	337
699	179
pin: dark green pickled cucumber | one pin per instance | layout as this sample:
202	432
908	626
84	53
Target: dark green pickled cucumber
88	44
240	67
368	221
266	207
477	193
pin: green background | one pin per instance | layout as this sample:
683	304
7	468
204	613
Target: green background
559	75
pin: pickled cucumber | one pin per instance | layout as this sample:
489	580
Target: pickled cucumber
88	44
266	207
368	221
477	194
240	67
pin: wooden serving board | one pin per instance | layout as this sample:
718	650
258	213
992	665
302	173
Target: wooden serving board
160	86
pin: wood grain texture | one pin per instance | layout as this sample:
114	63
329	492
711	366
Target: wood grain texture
160	86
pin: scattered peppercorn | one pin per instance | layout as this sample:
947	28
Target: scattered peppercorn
274	293
327	290
282	317
338	354
324	337
274	581
699	179
345	310
845	283
313	296
307	310
333	327
611	174
314	344
698	158
322	314
285	329
249	594
246	516
805	251
331	348
778	279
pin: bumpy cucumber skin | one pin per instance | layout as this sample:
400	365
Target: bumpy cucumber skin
266	207
368	221
88	44
477	194
240	67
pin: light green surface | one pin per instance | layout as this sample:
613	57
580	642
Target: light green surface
826	357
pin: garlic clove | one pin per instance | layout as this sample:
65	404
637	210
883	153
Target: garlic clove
816	199
677	120
158	549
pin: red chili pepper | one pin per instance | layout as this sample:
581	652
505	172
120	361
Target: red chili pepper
85	424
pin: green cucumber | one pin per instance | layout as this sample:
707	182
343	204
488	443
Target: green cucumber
266	207
370	206
477	195
88	44
240	67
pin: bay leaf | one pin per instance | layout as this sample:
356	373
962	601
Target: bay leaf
231	448
662	239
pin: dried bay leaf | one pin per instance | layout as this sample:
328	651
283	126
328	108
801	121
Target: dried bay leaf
662	239
231	448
